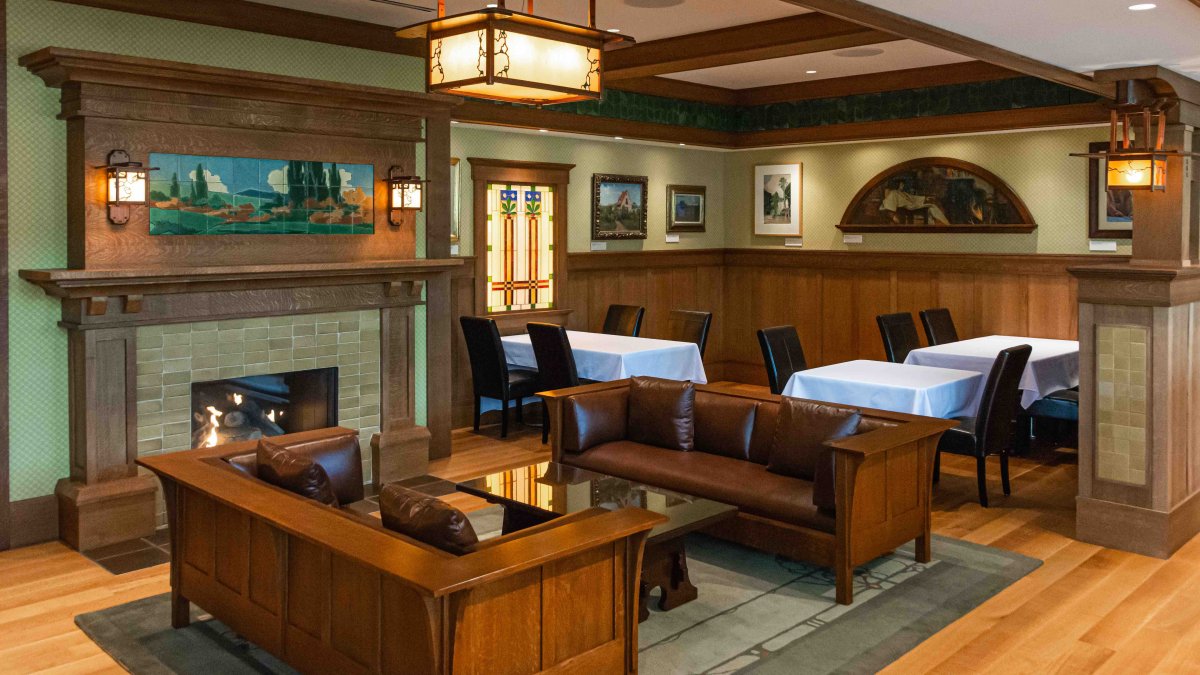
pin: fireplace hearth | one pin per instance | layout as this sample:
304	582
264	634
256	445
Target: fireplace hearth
249	408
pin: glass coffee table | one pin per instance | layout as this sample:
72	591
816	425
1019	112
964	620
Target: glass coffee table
539	493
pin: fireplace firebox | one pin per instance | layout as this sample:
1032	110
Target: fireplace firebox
249	408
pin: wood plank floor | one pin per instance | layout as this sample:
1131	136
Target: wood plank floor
1087	609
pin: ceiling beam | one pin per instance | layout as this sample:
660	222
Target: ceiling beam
870	16
688	91
871	83
777	38
269	19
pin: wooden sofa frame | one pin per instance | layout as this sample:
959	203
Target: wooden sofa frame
327	592
883	480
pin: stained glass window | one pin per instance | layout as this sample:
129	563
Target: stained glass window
520	247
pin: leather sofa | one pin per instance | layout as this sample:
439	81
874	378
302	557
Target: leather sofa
837	502
329	589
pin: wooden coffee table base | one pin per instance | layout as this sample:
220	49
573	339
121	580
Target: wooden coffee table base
664	565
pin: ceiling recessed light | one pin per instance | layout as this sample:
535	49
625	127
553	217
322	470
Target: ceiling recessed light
1142	6
543	131
683	143
614	30
859	52
811	72
618	138
453	121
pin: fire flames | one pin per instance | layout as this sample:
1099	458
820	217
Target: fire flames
213	437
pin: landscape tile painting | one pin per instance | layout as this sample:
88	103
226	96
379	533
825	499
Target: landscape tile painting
201	195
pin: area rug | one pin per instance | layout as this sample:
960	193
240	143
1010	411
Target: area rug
756	613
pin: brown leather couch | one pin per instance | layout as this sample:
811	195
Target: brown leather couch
828	484
330	589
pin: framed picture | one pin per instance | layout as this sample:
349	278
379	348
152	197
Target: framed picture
454	206
618	206
937	194
778	200
685	208
1110	212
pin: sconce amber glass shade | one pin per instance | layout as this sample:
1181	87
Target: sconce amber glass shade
1137	172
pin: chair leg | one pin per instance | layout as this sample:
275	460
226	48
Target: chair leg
981	470
478	403
504	418
545	423
520	411
1004	473
937	465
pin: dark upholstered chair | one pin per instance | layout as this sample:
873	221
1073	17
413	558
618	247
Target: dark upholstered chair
1062	405
939	326
782	355
556	362
992	430
899	335
623	320
490	372
685	326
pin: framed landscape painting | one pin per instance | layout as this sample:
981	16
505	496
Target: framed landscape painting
778	200
685	208
1110	212
618	206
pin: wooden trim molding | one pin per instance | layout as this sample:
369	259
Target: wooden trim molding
871	83
6	519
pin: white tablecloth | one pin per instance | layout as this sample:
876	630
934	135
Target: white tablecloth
918	390
604	358
1053	364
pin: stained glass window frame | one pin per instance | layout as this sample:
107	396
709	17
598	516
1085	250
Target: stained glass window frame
521	263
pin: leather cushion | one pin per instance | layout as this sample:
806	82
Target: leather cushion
594	418
294	472
800	436
1061	405
661	413
341	458
766	419
724	424
961	440
426	519
746	485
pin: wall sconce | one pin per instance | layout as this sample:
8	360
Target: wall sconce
126	185
405	193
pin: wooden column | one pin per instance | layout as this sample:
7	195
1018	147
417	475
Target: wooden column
438	322
1139	332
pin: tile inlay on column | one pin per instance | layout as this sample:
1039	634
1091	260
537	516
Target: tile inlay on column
1121	367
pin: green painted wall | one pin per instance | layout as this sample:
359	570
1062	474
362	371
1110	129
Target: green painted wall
37	180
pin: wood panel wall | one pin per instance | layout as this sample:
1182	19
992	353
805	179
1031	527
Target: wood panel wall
832	297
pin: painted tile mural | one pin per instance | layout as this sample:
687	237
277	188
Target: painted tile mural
192	194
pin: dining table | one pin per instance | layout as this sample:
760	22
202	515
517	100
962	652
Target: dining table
898	387
602	358
1053	364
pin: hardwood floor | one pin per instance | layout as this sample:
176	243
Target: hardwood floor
1086	609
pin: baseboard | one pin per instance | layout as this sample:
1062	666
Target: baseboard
34	521
1135	529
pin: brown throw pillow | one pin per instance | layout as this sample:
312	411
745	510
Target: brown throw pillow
294	472
661	413
592	419
426	519
724	424
800	436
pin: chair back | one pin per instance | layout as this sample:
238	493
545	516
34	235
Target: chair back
555	361
995	423
899	335
623	320
489	368
939	326
685	326
782	355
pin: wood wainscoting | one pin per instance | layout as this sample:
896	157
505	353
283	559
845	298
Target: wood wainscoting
832	297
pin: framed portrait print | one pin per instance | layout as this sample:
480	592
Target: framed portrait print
778	200
618	206
1110	212
686	205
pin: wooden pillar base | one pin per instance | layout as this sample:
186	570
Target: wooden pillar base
1129	528
399	454
91	516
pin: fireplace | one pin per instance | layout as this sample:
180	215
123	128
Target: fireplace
249	408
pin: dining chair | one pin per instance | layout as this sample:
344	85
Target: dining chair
782	354
490	373
992	430
939	326
555	361
623	320
687	326
899	335
1062	405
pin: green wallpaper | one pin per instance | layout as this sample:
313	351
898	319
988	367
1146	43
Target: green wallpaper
663	164
37	170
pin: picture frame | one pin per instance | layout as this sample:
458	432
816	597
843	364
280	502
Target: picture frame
619	206
1110	212
686	208
778	200
455	213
